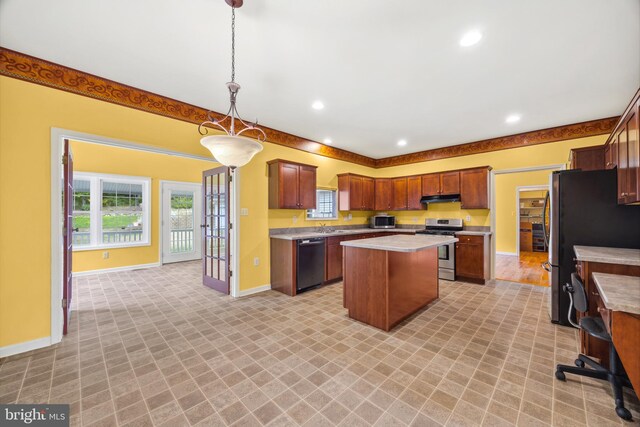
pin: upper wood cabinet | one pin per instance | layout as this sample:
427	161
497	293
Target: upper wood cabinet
441	184
291	185
611	155
358	192
622	150
355	192
383	194
474	188
399	194
414	193
587	158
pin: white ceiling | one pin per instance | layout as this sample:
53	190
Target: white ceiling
383	72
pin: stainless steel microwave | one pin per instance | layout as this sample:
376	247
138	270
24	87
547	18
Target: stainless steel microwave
382	221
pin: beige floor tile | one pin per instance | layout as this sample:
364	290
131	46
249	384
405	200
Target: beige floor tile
155	346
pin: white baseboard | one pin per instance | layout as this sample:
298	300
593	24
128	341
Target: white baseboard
10	350
116	269
255	290
507	253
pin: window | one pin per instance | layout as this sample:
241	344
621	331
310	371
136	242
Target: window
326	206
110	211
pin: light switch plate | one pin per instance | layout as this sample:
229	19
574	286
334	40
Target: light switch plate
244	211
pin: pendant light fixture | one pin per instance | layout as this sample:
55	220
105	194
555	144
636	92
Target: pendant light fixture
232	149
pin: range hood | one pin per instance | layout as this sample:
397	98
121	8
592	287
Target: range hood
440	199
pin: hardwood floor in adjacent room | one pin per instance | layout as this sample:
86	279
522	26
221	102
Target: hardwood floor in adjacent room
526	268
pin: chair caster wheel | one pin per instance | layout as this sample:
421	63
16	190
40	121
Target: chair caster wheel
579	363
623	413
560	375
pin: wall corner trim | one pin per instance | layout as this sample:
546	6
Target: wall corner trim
255	290
23	347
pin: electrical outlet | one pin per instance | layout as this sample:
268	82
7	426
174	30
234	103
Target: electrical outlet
244	211
415	219
349	217
105	255
294	219
468	218
256	261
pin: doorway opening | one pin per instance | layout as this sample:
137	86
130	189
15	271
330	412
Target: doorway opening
518	226
180	223
116	214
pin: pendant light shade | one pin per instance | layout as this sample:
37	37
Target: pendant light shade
232	151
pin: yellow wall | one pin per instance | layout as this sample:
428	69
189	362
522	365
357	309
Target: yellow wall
104	159
506	205
27	114
29	111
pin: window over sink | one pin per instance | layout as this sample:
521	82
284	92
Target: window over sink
326	205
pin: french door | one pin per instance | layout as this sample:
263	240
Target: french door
216	229
67	235
181	219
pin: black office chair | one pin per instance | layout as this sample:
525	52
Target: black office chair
595	327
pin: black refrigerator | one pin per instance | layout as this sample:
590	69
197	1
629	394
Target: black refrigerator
583	210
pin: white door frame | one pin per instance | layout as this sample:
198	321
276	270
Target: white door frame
520	189
197	217
492	198
57	137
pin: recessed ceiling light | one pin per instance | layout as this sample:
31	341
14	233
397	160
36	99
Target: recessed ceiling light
327	141
513	118
317	105
402	143
470	38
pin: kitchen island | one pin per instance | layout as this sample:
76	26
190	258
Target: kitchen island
387	279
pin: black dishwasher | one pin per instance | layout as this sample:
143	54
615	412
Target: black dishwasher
309	263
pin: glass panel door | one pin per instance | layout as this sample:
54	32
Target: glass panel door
182	222
181	216
215	266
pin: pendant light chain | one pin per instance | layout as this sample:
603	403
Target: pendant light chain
233	44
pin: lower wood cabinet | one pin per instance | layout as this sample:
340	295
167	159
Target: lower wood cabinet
472	258
589	345
283	260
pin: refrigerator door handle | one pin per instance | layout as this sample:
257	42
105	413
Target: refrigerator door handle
545	226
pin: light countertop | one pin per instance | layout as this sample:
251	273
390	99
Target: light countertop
348	232
401	243
473	233
619	293
607	255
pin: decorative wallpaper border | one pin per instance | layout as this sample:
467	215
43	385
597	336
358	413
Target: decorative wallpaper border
28	68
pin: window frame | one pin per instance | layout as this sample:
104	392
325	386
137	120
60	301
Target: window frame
95	209
334	206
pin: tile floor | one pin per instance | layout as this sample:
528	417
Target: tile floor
154	347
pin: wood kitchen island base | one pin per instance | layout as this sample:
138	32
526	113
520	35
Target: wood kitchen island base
383	287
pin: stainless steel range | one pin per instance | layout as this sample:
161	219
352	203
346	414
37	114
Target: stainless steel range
446	253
